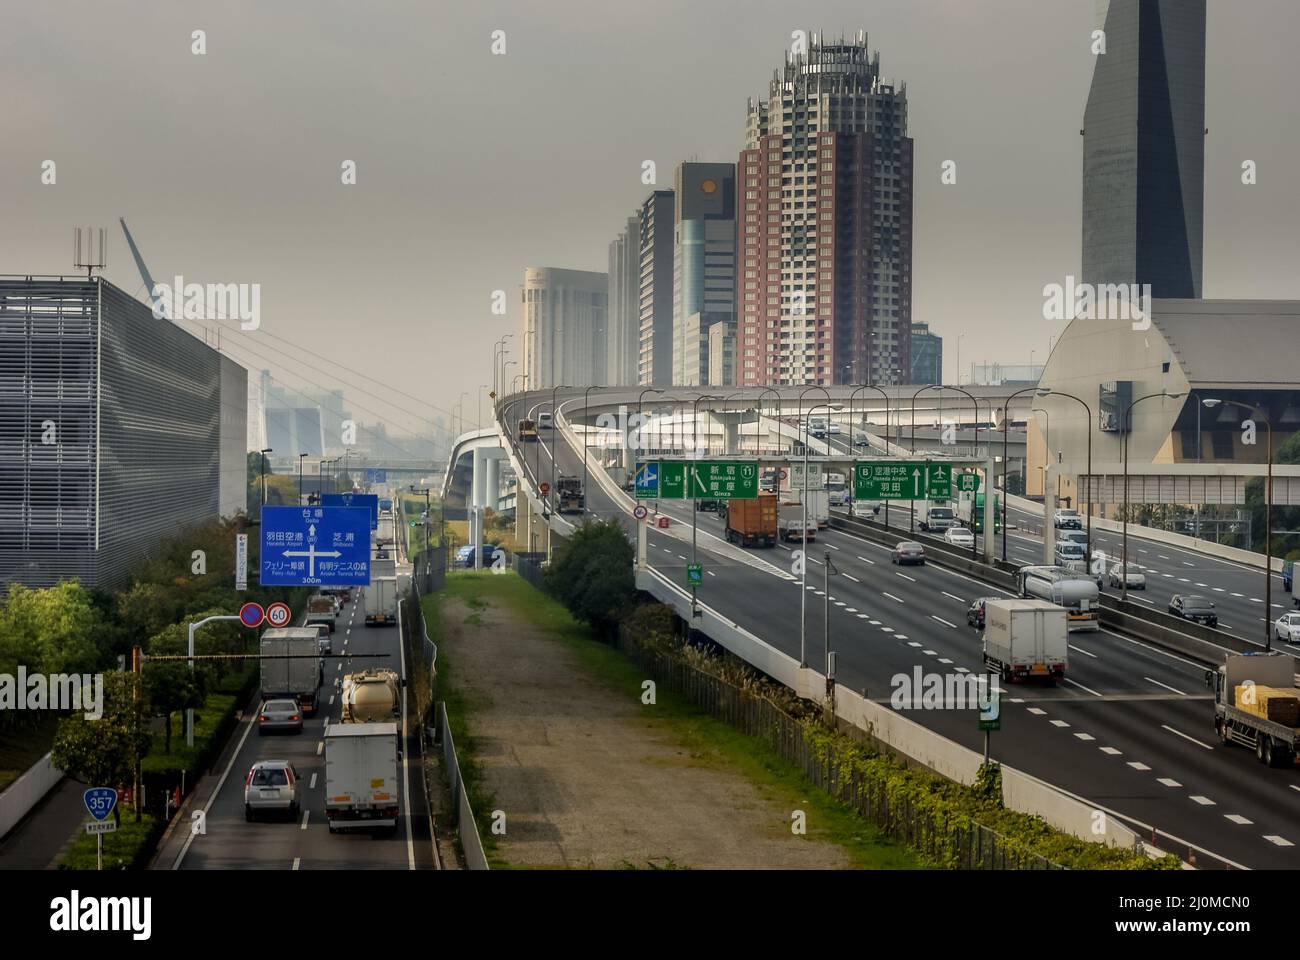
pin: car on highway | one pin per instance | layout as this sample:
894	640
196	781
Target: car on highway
817	427
1117	575
1070	555
1194	608
862	442
975	612
279	715
907	551
864	509
835	427
1287	627
271	785
959	537
1067	519
544	421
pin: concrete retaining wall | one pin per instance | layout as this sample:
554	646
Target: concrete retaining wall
28	790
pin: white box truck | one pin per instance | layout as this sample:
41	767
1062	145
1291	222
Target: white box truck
291	665
379	602
819	506
361	775
1025	639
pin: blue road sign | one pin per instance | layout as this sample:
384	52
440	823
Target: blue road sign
100	801
368	500
374	475
647	480
310	546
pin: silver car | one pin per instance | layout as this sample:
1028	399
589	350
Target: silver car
271	785
1118	575
279	715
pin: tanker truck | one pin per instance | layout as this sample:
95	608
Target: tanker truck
372	696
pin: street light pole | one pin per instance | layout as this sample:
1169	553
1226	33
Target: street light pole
1005	492
189	711
300	459
555	428
264	453
911	522
1049	392
1128	428
803	555
1268	514
695	507
586	416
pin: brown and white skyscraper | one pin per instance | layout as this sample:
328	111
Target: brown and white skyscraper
824	223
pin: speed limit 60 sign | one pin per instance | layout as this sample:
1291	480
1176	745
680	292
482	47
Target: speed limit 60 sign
278	615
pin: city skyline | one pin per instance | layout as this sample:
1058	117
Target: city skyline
283	220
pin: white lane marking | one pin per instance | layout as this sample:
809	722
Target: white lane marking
892	597
865	560
1186	564
1279	841
1084	652
319	747
849	576
1236	594
904	576
1082	687
1217	589
850	609
1111	751
331	700
943	621
1204	801
1179	733
930	653
297	861
1165	685
1015	699
339	669
900	636
1162	556
312	785
961	670
944	660
887	629
710	573
1142	599
1144	646
1168	781
305	815
862	616
1085	736
1037	712
955	597
679	556
1058	723
1237	818
832	546
839	603
1138	765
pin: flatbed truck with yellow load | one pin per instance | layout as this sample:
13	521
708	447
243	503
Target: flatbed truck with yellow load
1257	705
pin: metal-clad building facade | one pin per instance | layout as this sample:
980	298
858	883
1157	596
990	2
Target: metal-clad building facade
112	431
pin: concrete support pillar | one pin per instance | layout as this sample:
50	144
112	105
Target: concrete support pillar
731	432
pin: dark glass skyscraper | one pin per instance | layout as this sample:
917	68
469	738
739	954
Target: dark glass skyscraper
1144	148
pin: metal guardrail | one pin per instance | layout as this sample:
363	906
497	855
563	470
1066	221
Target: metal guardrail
470	841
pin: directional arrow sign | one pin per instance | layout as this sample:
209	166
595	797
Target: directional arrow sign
889	480
724	480
672	480
647	480
310	546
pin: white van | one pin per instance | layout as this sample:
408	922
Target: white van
938	516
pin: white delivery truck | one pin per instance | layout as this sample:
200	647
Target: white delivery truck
938	515
819	505
1025	639
837	490
361	775
291	665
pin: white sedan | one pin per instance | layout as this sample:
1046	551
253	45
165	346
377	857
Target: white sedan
1287	627
959	537
864	509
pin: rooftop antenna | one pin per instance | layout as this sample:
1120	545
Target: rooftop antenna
93	258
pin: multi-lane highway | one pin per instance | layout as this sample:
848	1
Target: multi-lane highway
1130	730
305	843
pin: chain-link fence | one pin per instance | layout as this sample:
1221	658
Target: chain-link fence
964	845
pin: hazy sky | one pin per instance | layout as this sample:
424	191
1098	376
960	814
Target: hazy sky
472	166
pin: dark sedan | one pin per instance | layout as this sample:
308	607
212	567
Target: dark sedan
1196	609
908	551
975	612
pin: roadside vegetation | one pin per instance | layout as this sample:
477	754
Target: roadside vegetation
591	576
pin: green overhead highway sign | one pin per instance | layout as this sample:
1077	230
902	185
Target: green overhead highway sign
902	480
705	480
968	482
725	480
